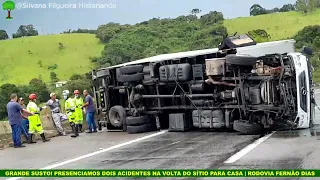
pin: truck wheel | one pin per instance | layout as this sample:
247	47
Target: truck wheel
241	60
139	129
117	116
136	121
245	128
102	73
131	69
131	77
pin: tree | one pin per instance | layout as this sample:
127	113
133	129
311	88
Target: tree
287	7
195	11
40	63
256	9
3	35
79	84
76	77
31	31
106	32
89	31
307	6
25	30
5	91
38	87
8	6
53	77
274	10
213	17
310	36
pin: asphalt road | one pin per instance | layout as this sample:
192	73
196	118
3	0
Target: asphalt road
169	150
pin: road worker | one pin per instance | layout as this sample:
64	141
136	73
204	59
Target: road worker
79	113
70	108
35	125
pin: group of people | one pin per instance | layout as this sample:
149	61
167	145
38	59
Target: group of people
26	119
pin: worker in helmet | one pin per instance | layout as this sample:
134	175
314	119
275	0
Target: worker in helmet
35	125
79	113
70	108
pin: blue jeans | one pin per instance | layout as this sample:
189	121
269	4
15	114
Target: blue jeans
16	134
24	127
90	121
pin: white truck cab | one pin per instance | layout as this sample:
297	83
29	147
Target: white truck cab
305	104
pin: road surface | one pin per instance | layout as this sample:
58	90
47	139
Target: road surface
170	150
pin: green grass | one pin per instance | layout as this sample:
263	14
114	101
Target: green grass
19	57
279	25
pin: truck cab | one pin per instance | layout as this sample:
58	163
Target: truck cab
241	85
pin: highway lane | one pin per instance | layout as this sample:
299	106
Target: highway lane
190	150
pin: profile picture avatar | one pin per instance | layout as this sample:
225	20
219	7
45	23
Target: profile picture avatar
8	6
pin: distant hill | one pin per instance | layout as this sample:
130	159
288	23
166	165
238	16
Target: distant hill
32	57
278	25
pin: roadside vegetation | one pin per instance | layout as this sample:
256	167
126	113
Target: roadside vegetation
32	63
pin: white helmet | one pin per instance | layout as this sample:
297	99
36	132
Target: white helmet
65	94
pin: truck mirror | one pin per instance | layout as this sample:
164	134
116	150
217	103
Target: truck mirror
307	50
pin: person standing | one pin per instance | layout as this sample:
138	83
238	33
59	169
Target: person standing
15	119
35	125
54	105
70	108
25	121
78	113
90	110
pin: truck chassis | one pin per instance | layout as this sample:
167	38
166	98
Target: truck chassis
220	90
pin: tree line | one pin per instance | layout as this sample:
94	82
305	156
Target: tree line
305	6
29	30
23	31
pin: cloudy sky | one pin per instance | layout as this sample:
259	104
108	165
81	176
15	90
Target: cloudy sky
46	16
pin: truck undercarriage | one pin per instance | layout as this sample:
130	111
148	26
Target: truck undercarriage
222	90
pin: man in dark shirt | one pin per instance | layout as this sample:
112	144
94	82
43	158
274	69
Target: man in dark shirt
25	121
90	110
14	116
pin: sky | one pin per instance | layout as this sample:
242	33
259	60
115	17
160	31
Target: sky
55	16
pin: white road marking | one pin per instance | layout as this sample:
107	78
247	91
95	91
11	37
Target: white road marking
97	152
174	143
247	149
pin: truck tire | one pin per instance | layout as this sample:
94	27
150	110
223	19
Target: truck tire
131	69
245	128
137	121
241	60
102	73
117	116
131	77
139	129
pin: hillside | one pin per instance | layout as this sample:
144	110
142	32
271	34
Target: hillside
32	57
278	25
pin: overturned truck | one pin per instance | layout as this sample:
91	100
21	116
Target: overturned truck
242	85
